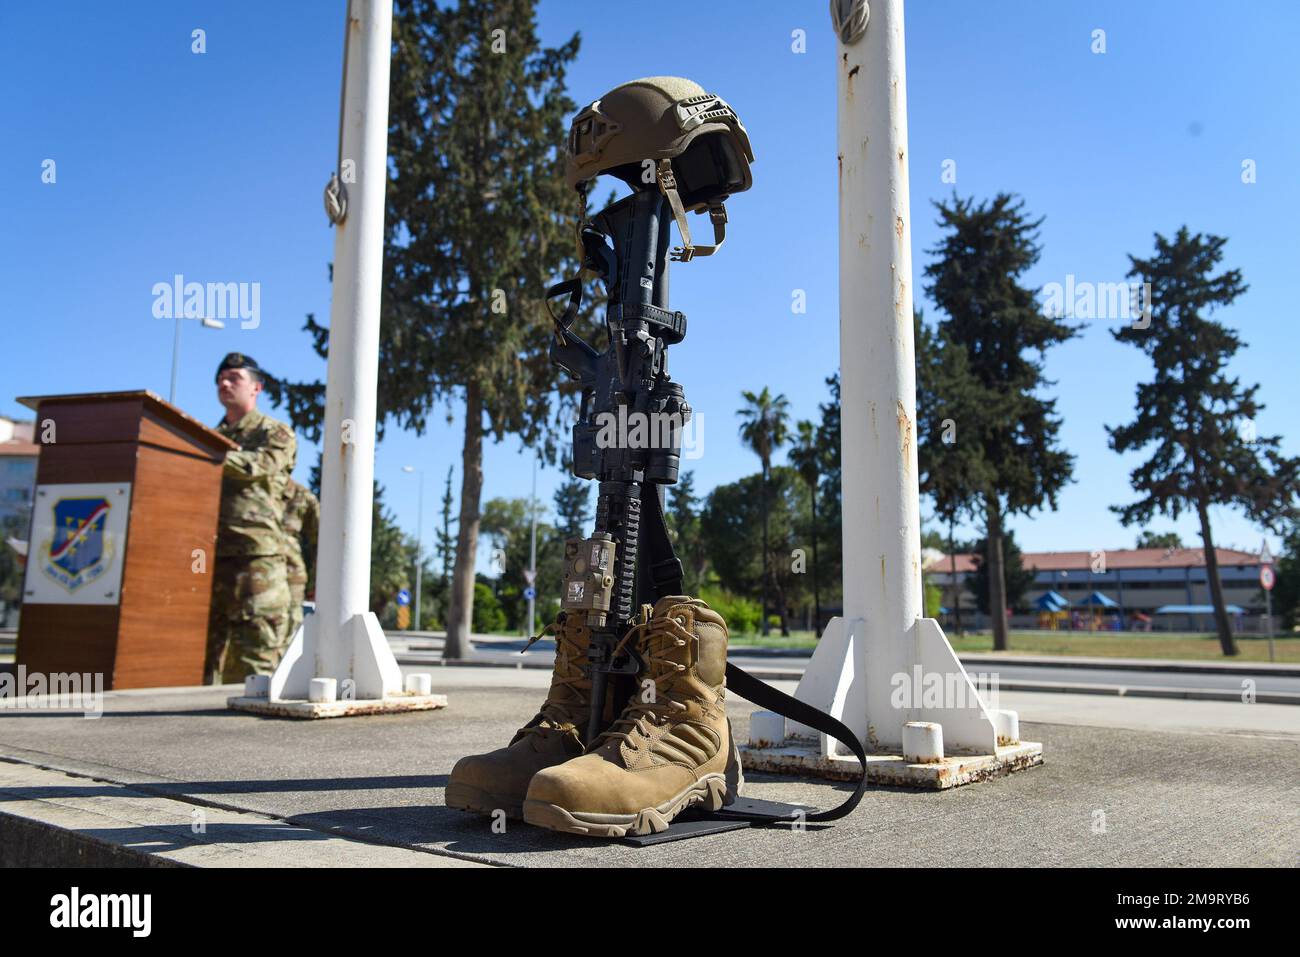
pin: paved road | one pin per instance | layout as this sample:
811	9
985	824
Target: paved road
1164	679
541	654
428	650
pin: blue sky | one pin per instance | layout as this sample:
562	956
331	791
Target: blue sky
212	166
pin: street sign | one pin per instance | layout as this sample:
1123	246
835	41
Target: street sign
403	597
529	575
1266	577
530	592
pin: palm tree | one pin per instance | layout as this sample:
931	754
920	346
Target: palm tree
763	428
806	458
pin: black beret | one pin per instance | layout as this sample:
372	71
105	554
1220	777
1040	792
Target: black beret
237	360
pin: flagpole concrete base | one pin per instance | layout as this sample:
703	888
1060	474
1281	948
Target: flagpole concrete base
289	708
803	757
919	716
369	679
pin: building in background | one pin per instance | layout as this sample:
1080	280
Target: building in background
18	455
1165	589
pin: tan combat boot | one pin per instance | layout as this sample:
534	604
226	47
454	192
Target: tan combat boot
671	748
499	779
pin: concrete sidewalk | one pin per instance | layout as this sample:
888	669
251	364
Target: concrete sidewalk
1213	786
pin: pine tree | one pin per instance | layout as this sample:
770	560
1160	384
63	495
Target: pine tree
573	508
682	516
831	553
390	559
1199	420
1011	430
1018	578
446	545
1149	539
1286	592
952	465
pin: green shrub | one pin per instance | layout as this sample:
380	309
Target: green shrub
933	598
489	617
547	610
741	614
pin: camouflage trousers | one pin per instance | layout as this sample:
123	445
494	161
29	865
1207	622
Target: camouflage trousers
249	621
297	575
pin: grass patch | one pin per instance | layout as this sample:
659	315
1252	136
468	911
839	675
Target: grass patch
796	639
1104	644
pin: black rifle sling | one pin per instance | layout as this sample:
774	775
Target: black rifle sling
666	570
665	567
765	696
572	287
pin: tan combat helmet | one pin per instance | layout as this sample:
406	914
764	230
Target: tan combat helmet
668	131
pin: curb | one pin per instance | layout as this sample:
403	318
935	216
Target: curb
1177	665
1140	691
67	819
1121	691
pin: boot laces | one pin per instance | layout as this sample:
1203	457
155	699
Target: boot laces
660	637
570	687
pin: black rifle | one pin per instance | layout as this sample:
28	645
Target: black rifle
629	558
626	386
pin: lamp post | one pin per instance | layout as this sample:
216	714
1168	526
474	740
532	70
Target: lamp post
419	541
532	555
176	350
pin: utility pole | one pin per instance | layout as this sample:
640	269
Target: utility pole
532	555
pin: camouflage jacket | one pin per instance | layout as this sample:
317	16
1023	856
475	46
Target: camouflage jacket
301	527
253	485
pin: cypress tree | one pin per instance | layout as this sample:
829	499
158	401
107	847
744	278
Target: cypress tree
1197	420
1012	428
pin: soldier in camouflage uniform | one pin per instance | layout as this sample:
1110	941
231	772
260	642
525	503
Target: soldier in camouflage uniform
301	526
247	628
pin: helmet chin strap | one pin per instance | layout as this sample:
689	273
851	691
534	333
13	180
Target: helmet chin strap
717	215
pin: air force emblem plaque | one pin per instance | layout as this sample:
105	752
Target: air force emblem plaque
78	534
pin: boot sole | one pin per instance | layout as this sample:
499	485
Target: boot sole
710	790
465	797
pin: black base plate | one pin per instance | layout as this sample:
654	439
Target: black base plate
741	813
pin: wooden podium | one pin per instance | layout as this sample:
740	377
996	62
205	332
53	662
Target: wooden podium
124	529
